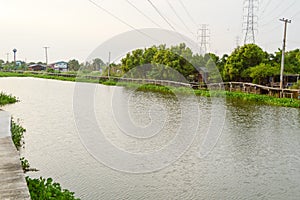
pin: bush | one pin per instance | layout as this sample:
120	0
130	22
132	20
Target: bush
50	70
47	189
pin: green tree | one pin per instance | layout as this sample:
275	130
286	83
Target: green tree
73	65
262	72
1	63
241	59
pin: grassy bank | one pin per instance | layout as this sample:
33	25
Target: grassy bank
41	75
61	78
263	99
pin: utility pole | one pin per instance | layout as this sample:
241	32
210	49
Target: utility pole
7	57
203	37
250	20
46	55
108	65
286	21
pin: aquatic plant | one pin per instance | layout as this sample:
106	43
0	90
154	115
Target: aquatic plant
46	189
17	134
7	99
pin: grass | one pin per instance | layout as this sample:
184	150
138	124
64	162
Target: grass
40	75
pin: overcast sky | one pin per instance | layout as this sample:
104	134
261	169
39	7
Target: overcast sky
74	28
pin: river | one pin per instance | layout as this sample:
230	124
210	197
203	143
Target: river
256	156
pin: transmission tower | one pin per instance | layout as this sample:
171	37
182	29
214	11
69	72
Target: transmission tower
203	38
250	20
237	41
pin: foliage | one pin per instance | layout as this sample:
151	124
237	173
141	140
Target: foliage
47	189
50	70
296	85
17	132
261	72
25	164
264	99
95	65
73	65
160	62
292	60
249	55
7	99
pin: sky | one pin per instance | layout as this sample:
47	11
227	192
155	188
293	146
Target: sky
73	29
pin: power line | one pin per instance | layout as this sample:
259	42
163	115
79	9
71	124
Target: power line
273	10
186	11
122	21
266	6
132	27
282	12
297	13
166	20
180	19
142	13
161	15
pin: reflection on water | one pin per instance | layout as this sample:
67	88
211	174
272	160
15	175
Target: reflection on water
256	157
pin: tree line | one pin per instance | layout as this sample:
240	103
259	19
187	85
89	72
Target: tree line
248	63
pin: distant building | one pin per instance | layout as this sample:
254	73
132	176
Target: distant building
19	63
60	66
37	67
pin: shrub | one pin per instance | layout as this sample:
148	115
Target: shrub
47	189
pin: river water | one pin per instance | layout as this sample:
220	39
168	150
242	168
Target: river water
256	155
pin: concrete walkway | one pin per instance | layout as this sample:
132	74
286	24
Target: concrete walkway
12	179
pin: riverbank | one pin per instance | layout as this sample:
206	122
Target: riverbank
13	183
12	179
257	98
